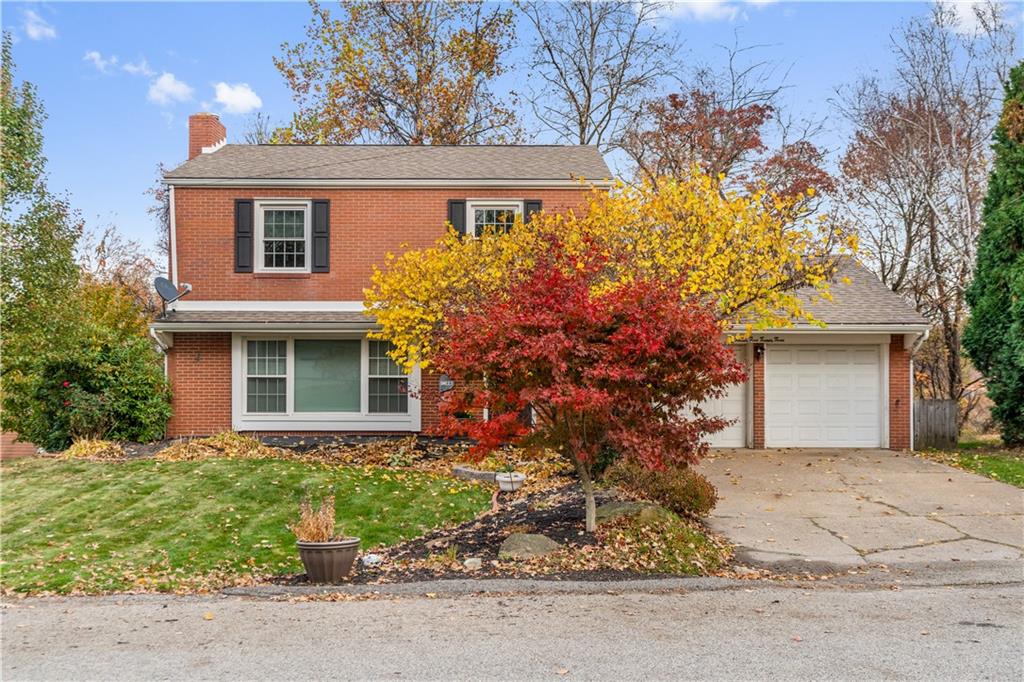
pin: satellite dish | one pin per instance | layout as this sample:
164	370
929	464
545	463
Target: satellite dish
167	291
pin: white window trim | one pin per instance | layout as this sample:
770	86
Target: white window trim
363	420
473	204
260	205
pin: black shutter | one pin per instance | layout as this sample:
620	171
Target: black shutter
457	214
321	236
531	206
243	235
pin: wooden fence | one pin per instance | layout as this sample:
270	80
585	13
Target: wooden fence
935	424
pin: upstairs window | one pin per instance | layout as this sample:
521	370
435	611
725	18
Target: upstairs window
282	236
499	216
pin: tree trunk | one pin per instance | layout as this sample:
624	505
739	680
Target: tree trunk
588	493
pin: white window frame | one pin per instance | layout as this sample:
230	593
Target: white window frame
473	204
370	376
290	420
261	205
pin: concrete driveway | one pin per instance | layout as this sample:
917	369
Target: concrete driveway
847	508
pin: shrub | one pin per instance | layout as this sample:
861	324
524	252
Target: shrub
315	525
106	387
679	489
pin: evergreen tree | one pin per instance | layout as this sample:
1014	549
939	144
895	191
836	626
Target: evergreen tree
994	338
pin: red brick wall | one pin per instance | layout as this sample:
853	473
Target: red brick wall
757	381
366	224
199	366
11	448
899	394
429	397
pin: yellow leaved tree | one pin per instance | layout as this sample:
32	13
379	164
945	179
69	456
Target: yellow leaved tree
745	254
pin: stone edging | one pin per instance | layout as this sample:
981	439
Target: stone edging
468	474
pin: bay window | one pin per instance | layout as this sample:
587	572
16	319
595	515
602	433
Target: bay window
321	382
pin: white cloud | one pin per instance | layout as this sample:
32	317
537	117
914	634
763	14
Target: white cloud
966	12
167	89
99	61
700	10
139	68
708	10
238	98
36	27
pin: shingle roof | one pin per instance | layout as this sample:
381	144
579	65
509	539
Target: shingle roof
396	162
864	300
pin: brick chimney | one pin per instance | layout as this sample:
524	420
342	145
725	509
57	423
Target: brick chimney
204	130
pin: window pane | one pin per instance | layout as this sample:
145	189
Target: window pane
500	219
380	363
266	358
265	395
389	395
327	375
284	238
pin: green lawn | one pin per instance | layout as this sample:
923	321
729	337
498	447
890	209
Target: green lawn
95	527
988	459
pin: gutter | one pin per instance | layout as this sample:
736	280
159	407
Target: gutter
812	329
258	327
395	183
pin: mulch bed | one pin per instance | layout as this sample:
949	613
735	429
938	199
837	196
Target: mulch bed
557	513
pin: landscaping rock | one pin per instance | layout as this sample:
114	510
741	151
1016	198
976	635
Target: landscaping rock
526	546
473	563
372	559
614	510
469	474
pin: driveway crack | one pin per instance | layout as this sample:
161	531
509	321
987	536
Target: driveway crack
834	534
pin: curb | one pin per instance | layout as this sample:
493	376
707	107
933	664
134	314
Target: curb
495	586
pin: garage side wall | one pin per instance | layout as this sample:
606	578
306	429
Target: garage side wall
900	394
758	392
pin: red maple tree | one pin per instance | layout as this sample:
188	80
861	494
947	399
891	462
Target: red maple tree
605	371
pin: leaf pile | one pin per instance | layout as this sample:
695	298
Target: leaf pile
94	449
226	445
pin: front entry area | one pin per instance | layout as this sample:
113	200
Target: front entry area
823	396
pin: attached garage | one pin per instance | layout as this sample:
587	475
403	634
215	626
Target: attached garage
824	396
732	406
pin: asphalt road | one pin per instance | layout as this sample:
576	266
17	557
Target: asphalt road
764	631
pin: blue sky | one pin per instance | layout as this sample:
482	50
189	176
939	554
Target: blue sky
120	79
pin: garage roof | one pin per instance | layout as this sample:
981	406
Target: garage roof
864	300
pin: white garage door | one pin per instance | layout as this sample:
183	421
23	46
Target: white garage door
732	406
823	396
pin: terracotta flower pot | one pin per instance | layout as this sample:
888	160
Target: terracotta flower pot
328	562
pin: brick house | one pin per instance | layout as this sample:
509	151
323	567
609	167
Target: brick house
277	243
